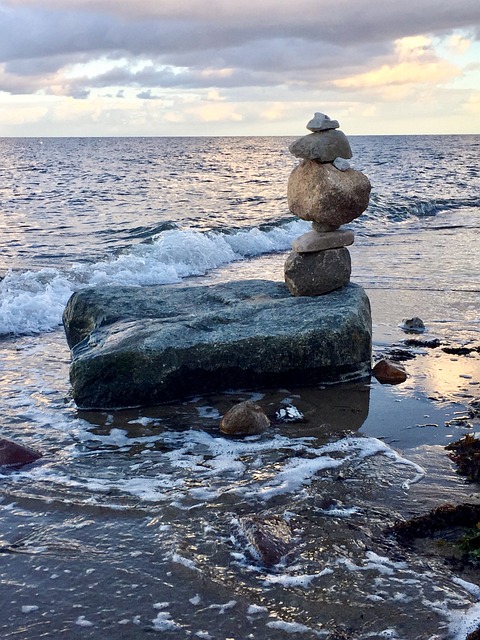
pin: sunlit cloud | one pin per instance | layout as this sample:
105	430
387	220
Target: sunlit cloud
416	64
263	66
459	44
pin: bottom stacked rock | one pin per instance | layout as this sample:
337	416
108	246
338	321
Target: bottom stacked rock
318	272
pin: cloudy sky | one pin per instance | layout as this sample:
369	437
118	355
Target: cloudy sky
238	67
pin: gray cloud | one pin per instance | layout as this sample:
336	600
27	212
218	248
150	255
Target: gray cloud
265	43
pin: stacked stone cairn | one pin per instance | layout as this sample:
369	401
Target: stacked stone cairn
326	191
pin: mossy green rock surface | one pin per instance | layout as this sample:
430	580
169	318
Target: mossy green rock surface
142	346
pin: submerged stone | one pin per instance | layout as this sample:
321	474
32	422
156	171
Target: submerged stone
16	455
270	538
413	325
143	346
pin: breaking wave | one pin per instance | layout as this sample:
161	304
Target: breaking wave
33	301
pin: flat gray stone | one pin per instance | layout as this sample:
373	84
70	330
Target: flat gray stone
315	274
323	146
143	346
317	241
321	193
321	122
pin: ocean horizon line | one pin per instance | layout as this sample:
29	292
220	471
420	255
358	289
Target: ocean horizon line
226	136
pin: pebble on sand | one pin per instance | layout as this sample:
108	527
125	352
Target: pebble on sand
388	372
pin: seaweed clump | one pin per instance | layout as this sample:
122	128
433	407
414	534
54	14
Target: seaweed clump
465	453
447	516
453	528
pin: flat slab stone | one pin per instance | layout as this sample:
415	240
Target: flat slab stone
323	146
318	241
143	346
321	122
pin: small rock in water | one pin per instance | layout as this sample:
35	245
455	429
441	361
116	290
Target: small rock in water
321	122
270	537
415	324
388	372
474	408
290	413
16	455
244	419
341	164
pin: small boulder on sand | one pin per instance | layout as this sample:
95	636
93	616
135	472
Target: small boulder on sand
244	419
388	372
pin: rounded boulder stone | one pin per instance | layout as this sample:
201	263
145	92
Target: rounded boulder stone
321	193
323	146
244	419
313	274
388	372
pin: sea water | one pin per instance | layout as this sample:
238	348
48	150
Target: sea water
129	523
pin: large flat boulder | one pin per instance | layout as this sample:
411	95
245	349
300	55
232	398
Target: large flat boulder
143	346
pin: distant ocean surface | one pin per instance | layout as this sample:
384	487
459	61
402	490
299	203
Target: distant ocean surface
139	211
128	518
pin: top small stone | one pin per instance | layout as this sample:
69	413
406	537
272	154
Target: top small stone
321	122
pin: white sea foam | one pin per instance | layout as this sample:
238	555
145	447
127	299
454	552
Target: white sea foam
464	622
287	580
164	622
186	562
222	608
83	622
255	609
474	589
292	627
248	467
33	301
28	608
374	562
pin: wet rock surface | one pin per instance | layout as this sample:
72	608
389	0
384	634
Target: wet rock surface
315	241
270	538
317	273
16	455
134	347
388	372
244	419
